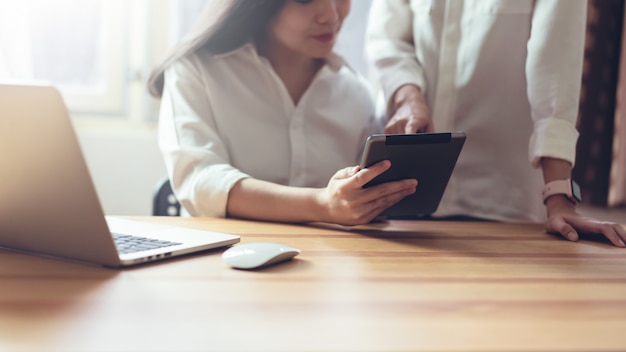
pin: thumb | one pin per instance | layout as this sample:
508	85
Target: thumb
346	172
566	230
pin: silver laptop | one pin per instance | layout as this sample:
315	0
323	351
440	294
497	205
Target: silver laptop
48	203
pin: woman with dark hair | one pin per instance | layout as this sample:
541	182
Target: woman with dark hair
258	114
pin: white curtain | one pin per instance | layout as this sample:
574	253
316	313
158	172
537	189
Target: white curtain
59	41
351	41
15	44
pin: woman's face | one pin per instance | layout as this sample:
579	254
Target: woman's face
309	27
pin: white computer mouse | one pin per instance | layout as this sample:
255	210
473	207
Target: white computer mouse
258	254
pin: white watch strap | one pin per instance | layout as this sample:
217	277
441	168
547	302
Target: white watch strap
563	187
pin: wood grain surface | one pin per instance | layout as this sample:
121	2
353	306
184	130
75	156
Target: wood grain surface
395	286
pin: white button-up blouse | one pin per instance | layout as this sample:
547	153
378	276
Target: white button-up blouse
228	117
506	72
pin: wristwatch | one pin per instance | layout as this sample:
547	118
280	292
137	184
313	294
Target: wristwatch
568	188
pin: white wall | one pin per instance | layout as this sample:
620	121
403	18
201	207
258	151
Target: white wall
125	165
351	40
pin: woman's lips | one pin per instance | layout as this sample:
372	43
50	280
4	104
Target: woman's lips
325	38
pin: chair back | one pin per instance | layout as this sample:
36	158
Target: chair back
164	200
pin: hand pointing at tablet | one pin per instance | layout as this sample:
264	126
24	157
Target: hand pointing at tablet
410	113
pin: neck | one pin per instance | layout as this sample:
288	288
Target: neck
294	69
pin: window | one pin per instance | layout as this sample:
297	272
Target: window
97	52
100	52
183	14
75	45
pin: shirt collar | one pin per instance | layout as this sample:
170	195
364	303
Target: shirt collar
334	61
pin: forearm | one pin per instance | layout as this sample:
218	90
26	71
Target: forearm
555	169
261	200
390	46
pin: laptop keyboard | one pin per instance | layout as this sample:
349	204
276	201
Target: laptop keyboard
130	244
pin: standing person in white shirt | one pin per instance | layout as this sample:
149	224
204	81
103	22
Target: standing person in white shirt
260	120
507	73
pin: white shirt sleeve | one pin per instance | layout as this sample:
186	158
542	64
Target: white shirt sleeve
195	156
390	46
553	73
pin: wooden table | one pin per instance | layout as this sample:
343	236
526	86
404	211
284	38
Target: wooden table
399	286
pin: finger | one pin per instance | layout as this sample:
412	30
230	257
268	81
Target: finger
613	233
592	226
559	225
364	176
377	206
346	172
383	190
430	128
366	212
415	125
374	210
621	232
395	125
610	232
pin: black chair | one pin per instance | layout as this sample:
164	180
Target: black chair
164	202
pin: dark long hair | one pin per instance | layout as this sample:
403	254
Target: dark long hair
223	26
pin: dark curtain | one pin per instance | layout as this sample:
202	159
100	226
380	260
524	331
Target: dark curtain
596	121
617	189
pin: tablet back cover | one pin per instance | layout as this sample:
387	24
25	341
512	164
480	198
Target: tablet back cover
428	157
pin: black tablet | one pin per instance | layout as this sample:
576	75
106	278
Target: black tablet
427	157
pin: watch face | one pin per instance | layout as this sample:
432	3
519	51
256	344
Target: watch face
576	191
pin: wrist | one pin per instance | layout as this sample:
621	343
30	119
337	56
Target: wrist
559	203
567	188
317	205
558	200
406	94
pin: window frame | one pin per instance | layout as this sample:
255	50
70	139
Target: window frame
112	100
